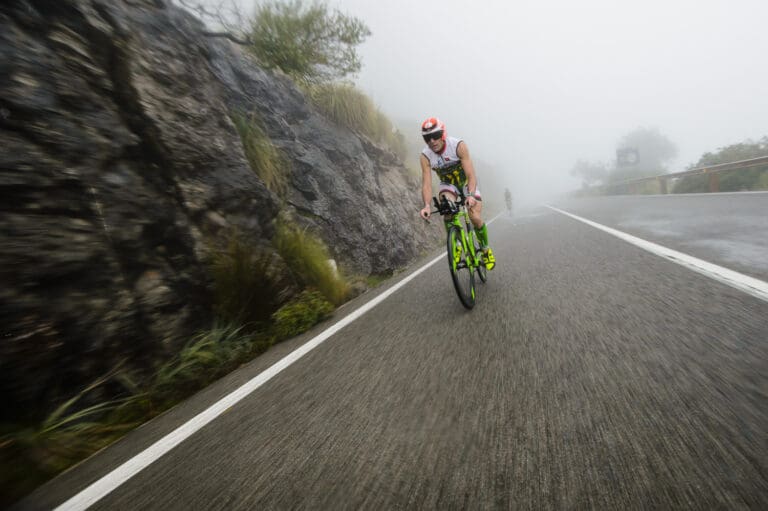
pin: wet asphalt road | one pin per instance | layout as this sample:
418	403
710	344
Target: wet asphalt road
728	229
591	374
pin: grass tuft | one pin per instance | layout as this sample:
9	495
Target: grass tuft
71	432
309	259
374	280
265	159
242	290
206	357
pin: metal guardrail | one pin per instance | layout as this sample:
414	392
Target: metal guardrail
713	171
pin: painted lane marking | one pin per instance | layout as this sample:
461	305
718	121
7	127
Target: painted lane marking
99	489
693	194
745	283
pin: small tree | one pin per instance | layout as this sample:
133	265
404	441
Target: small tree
224	17
653	150
309	43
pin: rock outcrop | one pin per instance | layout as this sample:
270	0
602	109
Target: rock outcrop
120	171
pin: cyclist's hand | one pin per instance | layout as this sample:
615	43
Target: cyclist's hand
470	201
425	212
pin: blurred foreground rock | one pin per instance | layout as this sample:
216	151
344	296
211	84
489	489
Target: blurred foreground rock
121	170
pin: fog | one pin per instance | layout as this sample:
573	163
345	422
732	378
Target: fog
533	86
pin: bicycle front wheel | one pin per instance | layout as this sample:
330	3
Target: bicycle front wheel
482	271
461	273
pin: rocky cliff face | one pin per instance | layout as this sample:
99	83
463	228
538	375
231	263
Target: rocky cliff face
120	170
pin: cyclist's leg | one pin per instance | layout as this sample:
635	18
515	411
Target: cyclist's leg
475	216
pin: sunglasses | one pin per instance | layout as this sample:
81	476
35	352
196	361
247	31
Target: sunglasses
432	136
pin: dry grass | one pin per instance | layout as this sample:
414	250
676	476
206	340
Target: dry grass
308	258
347	106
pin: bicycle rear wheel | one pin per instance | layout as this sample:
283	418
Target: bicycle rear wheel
461	273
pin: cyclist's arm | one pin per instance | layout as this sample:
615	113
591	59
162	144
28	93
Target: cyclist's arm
426	181
469	168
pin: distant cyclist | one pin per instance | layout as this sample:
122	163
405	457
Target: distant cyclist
508	200
449	158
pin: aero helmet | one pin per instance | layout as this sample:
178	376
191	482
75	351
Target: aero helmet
433	125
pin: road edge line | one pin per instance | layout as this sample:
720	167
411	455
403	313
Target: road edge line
745	283
115	478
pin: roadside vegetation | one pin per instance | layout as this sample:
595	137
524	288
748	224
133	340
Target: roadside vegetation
750	179
347	106
263	157
307	41
242	288
644	153
249	320
308	258
84	424
316	46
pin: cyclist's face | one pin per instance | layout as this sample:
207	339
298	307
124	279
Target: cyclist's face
435	144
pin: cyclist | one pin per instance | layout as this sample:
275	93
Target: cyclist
508	200
449	158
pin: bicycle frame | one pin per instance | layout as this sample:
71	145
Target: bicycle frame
463	254
467	233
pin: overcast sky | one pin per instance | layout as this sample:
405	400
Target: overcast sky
534	85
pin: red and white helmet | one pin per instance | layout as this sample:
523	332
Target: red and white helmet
433	125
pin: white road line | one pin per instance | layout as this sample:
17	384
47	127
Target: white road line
692	194
750	285
130	468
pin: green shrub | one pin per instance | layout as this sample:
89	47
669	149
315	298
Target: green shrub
264	158
734	180
242	290
301	314
744	179
308	43
308	258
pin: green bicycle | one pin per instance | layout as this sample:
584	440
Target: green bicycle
465	258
